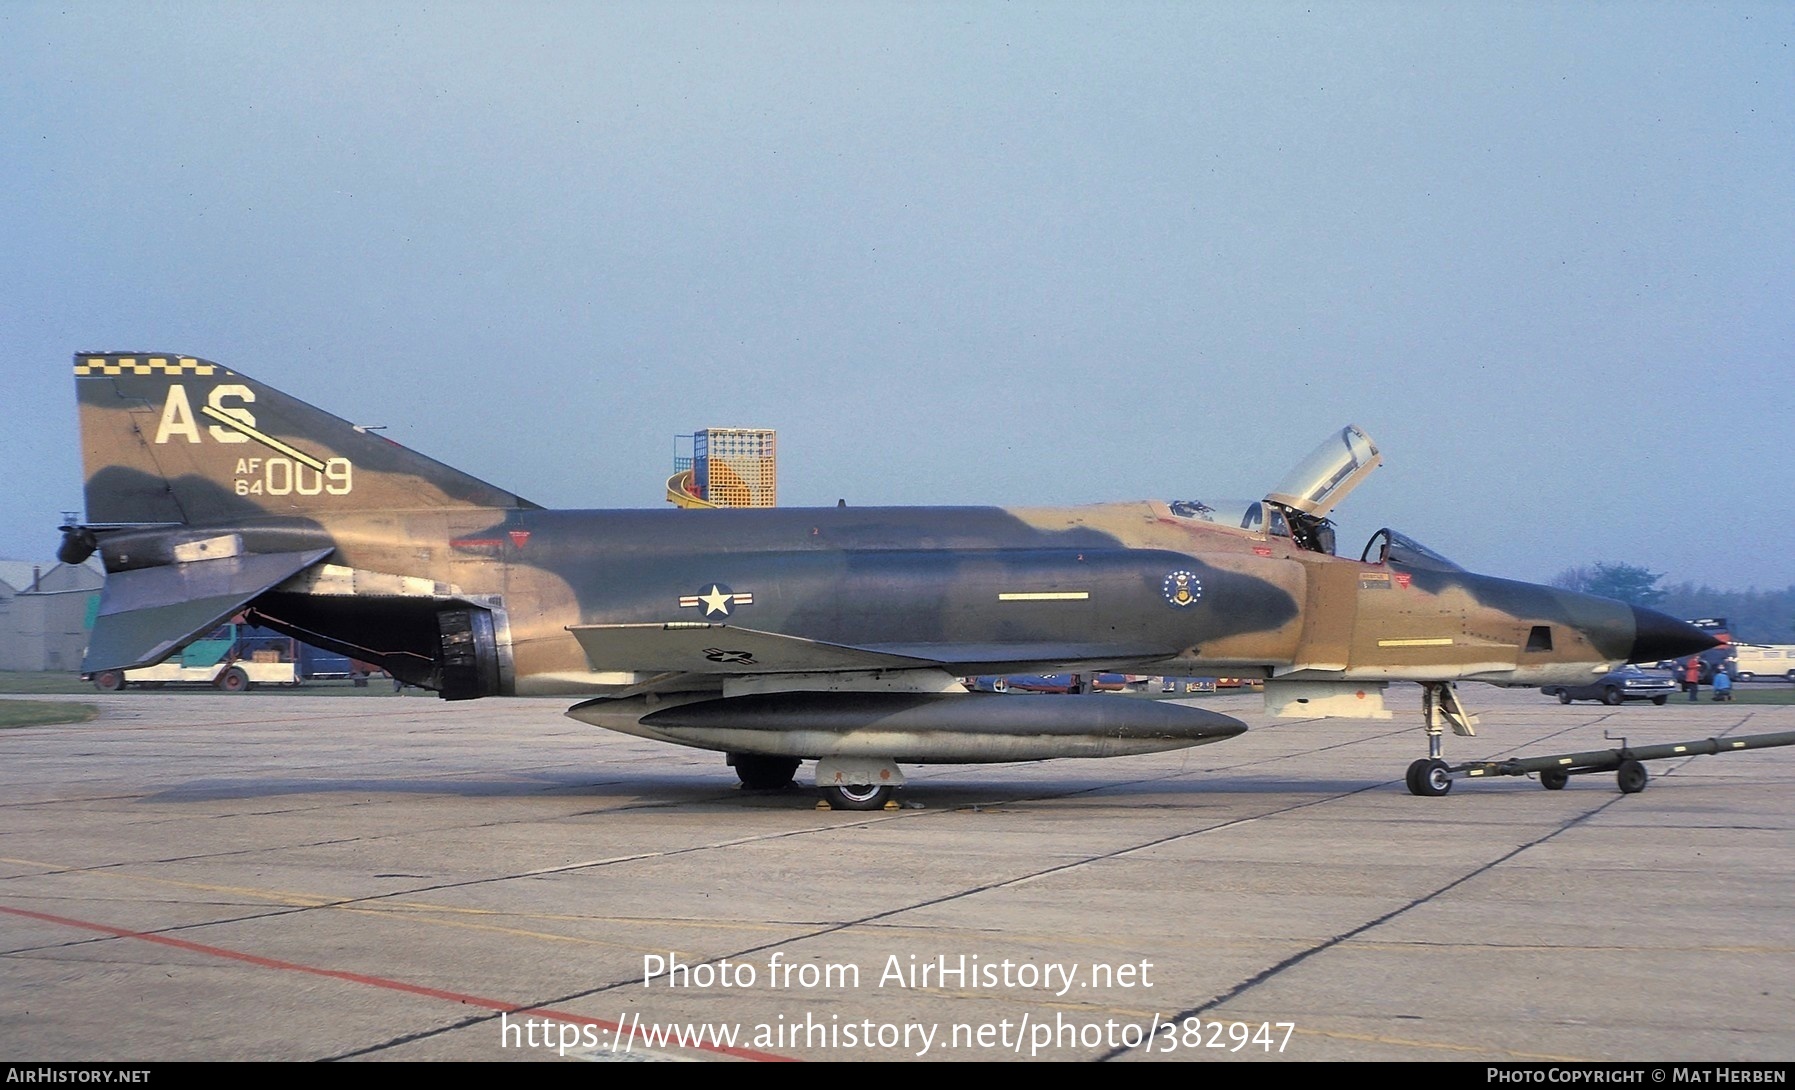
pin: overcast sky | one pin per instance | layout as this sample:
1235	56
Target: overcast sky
954	253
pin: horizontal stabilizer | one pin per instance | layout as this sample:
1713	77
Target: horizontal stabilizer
722	649
147	613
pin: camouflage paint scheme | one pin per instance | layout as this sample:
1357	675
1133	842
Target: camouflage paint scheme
209	493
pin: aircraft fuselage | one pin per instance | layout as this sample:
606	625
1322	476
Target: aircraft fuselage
976	590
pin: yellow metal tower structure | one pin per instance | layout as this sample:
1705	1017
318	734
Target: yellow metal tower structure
728	467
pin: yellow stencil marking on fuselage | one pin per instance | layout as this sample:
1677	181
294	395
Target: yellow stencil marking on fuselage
1441	641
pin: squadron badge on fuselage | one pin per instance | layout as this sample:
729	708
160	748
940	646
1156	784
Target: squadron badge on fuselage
1182	588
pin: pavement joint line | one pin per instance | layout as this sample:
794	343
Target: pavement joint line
928	903
1301	956
497	1006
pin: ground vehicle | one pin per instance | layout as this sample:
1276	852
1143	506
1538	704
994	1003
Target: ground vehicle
1044	683
1142	684
1626	683
233	657
1758	660
1022	683
1185	686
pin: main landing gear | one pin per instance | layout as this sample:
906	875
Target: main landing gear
858	783
862	796
844	783
761	773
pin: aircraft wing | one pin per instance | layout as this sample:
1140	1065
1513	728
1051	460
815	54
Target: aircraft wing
700	648
696	647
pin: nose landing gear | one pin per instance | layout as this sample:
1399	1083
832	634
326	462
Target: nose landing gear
1431	776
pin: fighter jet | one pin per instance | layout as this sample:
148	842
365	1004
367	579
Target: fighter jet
782	635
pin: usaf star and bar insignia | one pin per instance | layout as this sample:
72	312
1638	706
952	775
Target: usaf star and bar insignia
717	601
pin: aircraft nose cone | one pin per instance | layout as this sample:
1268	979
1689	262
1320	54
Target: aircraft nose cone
1658	636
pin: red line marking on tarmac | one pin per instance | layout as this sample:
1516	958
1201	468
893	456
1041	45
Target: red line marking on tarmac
372	981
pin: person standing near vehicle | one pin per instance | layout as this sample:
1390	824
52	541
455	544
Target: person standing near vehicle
1692	677
1723	685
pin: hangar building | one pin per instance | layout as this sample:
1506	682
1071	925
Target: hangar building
46	612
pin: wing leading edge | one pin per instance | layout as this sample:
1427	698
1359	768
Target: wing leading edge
702	648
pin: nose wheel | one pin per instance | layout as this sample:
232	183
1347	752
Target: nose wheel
1429	777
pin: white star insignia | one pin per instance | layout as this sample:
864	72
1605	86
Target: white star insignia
716	601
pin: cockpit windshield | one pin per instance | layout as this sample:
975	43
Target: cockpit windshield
1249	515
1389	547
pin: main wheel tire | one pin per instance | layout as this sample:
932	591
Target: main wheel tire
760	773
859	796
1429	777
1611	697
109	681
233	680
1659	700
1745	675
1631	776
1554	779
1564	697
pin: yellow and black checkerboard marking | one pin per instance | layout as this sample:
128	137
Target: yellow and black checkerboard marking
142	365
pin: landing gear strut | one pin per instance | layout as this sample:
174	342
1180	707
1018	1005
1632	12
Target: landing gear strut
1431	776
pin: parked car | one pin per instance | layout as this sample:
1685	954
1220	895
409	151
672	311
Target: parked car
1043	683
1626	683
1022	683
1185	686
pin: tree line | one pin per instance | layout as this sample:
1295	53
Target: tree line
1753	616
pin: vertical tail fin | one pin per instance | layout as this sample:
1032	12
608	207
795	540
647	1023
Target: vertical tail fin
176	439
